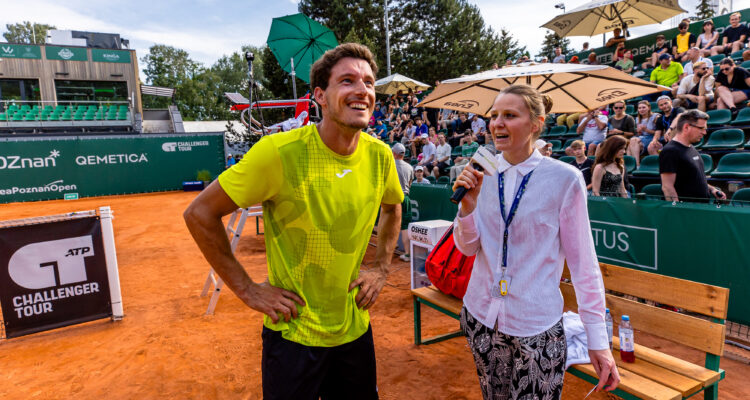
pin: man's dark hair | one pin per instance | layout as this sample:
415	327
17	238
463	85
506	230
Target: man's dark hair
682	25
690	117
727	61
320	72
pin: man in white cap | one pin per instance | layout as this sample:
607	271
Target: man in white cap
428	153
544	148
419	175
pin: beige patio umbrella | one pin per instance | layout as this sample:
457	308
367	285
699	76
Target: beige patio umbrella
572	87
603	16
391	84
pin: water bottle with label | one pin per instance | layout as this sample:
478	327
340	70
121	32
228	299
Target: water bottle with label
627	343
610	327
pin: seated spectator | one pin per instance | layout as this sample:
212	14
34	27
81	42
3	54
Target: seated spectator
460	162
746	55
696	90
429	153
693	56
592	59
559	57
478	124
616	38
443	156
545	149
585	47
446	119
607	178
668	72
460	127
621	123
419	175
661	48
593	126
625	64
396	135
378	114
732	85
619	52
733	38
568	119
230	161
380	130
664	123
583	163
417	112
645	127
708	39
680	165
683	42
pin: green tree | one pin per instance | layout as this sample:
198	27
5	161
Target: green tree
168	67
551	41
27	32
705	9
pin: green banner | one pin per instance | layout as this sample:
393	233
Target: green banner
66	53
112	56
643	46
20	51
51	168
697	242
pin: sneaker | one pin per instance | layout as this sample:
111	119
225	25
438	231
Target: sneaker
404	257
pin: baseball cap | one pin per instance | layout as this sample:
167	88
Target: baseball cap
418	168
665	57
540	144
425	136
398	148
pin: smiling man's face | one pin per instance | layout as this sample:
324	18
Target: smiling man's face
349	99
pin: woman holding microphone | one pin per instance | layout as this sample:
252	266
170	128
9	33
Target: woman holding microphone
522	223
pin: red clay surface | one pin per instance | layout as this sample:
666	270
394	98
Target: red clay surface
166	347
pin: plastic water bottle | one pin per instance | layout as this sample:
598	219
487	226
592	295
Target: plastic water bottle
627	343
610	327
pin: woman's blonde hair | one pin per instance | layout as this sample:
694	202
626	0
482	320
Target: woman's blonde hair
537	103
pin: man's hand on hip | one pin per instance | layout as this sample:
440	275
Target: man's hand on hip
273	301
370	282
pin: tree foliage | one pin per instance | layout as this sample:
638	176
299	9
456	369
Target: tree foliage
705	9
27	32
552	40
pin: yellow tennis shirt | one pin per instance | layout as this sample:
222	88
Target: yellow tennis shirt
319	209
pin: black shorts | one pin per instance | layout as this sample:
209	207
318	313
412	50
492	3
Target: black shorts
292	371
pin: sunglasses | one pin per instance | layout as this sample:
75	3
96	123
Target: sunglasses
703	128
724	69
617	108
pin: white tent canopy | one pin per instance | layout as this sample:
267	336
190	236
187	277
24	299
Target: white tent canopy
393	83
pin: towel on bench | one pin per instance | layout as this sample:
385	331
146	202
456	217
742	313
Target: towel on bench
575	336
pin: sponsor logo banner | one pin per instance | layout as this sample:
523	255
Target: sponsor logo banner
20	51
66	53
110	56
52	275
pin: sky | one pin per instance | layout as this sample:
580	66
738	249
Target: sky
209	29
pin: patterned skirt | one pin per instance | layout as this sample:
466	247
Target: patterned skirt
517	368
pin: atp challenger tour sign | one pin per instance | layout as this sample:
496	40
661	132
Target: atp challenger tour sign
52	275
52	168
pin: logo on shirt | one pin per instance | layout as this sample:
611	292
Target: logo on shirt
609	94
343	173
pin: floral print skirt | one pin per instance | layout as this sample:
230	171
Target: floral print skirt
517	368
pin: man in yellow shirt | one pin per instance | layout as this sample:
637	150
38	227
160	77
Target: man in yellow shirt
320	187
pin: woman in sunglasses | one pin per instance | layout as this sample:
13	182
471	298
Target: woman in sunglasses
732	85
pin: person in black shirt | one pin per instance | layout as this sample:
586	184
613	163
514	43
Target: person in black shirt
663	131
732	85
583	163
680	164
733	38
661	47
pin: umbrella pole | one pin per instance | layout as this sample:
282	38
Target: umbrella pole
294	79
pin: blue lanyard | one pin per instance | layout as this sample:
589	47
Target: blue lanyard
512	213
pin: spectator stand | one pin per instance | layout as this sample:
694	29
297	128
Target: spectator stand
21	116
654	375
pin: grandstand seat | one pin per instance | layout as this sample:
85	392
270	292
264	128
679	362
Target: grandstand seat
745	64
19	115
700	144
708	163
556	146
568	143
653	191
630	164
456	152
54	116
26	108
3	117
558	130
431	178
573	131
725	139
733	165
649	166
719	117
737	55
743	117
444	180
629	109
717	58
413	161
654	107
122	115
741	197
567	159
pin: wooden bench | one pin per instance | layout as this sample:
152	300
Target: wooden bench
654	375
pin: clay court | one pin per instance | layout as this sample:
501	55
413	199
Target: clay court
166	347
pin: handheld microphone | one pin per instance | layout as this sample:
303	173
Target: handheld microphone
483	161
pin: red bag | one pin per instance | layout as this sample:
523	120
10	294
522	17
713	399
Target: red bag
449	269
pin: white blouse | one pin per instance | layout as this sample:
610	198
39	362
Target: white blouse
551	225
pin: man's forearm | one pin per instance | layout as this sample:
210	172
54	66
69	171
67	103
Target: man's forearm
388	230
670	194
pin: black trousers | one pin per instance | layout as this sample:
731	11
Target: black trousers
292	371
